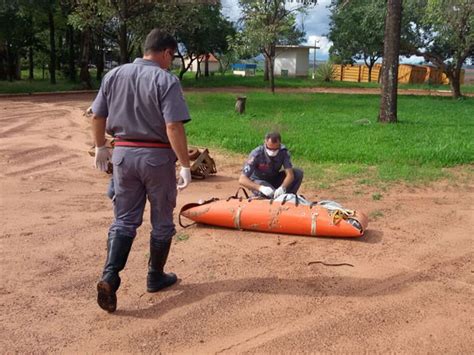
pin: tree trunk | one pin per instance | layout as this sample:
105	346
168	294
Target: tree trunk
388	102
71	54
10	63
206	65
183	67
198	70
266	71
52	49
100	58
271	74
17	68
123	43
455	82
3	70
272	77
84	75
31	64
59	57
272	68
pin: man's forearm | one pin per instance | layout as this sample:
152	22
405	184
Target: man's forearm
98	130
177	136
249	184
290	176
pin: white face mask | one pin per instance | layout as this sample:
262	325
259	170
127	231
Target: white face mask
272	153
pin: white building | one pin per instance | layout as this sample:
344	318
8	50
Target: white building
291	60
213	64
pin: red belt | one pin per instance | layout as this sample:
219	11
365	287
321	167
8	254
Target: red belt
118	142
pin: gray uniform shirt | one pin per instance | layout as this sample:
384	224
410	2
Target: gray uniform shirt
260	166
138	99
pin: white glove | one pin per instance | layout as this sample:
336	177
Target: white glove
280	191
184	178
102	156
267	191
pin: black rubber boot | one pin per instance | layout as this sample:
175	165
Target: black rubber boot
118	248
157	279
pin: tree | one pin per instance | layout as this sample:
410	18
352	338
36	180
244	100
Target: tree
357	31
200	29
442	31
388	102
266	23
52	44
14	39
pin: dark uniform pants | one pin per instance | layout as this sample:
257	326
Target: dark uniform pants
276	181
141	173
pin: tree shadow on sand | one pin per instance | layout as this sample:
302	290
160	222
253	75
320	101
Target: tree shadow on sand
311	287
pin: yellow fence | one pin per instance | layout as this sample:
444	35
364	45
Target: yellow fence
407	74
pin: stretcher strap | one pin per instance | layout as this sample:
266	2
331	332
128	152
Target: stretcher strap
314	221
237	193
237	218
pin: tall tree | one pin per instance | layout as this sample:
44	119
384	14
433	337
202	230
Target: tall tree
388	102
442	31
200	29
357	31
52	43
124	12
90	17
14	39
266	22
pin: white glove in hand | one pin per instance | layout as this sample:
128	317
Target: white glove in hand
102	156
267	191
280	191
184	178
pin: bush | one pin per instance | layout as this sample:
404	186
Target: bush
325	72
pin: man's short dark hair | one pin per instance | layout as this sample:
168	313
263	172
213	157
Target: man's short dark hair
274	137
158	40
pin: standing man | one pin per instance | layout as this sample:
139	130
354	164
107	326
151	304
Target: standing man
262	171
142	106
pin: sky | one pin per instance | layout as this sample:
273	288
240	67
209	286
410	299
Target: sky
316	25
315	21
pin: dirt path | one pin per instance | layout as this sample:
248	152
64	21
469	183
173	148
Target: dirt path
344	91
410	288
244	89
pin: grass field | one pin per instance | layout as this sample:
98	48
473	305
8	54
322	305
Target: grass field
217	80
333	137
336	136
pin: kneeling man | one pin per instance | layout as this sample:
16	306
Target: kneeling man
262	172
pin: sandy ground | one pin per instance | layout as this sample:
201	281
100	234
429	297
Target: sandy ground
410	289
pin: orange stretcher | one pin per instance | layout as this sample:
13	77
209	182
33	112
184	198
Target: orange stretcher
289	214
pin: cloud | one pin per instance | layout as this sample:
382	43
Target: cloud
315	23
323	43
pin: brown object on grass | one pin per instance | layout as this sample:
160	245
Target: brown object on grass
240	104
203	166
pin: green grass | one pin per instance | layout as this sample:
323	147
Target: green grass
42	85
217	80
324	137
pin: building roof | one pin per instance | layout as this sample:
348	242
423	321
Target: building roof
212	58
290	46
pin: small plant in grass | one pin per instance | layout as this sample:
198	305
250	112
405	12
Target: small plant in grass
374	215
376	196
182	237
325	72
